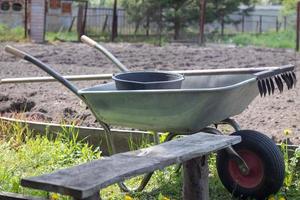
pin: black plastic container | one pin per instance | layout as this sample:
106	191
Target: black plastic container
147	80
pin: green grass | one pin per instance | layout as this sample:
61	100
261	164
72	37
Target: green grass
272	39
61	36
11	34
24	154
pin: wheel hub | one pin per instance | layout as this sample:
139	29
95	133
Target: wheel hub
256	170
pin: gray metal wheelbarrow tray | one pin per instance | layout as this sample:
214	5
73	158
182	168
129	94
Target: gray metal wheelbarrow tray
203	100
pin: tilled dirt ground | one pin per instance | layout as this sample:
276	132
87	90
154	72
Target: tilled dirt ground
51	102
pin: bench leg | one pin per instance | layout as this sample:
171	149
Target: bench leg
195	179
94	197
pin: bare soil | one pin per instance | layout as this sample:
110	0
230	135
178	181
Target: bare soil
51	102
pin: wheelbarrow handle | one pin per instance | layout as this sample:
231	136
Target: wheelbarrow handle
110	56
20	54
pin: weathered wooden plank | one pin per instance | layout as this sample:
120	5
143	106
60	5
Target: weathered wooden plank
85	180
195	179
14	196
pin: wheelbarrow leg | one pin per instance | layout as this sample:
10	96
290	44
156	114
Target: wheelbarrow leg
109	140
140	188
146	178
231	152
112	150
232	123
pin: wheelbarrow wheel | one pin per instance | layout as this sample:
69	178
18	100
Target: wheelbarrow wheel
265	163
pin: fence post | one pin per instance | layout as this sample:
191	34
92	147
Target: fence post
85	16
222	25
147	26
277	24
243	23
105	23
260	24
285	22
25	19
202	21
160	24
298	26
80	21
114	32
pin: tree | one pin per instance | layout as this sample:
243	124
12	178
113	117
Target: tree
289	6
180	13
136	11
177	14
221	9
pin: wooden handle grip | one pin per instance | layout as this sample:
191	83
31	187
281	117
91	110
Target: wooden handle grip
88	41
15	51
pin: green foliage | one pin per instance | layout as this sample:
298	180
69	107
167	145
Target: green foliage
289	6
292	167
61	36
154	40
22	155
176	15
136	11
220	9
271	39
11	34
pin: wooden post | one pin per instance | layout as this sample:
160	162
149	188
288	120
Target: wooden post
71	25
105	24
80	16
260	24
85	17
160	24
243	23
285	22
25	19
114	32
38	17
277	24
298	27
222	25
202	9
195	179
147	25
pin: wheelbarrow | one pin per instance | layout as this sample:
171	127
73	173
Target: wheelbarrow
253	168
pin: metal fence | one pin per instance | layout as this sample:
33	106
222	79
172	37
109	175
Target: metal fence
254	24
99	22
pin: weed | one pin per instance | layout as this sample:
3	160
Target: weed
292	175
24	154
11	34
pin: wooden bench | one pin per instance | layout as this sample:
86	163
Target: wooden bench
86	180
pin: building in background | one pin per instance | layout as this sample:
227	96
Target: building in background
59	13
12	12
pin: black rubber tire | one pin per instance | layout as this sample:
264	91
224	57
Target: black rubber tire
272	164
